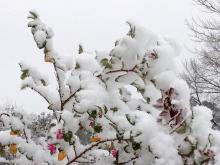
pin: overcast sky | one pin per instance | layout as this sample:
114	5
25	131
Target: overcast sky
95	23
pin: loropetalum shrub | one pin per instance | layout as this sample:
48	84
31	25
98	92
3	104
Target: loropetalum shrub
126	106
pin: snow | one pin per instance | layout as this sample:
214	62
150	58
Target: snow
69	121
94	97
87	62
38	78
202	115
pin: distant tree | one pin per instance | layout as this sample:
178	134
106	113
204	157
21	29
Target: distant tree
40	125
203	73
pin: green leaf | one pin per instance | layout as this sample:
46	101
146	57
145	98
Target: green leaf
131	31
51	107
29	157
93	114
98	128
77	66
138	133
105	109
24	74
80	49
181	129
2	152
106	63
34	14
120	136
127	149
52	125
67	136
136	146
114	109
148	100
141	91
130	120
100	109
43	82
116	42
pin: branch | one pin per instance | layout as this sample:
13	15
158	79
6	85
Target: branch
59	84
125	162
91	147
213	121
123	70
70	97
4	114
40	94
74	148
25	135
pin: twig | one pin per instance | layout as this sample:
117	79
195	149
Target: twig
125	162
74	148
84	162
25	135
59	85
40	94
70	97
91	147
123	70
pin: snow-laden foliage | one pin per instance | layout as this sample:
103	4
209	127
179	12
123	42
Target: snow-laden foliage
126	106
35	125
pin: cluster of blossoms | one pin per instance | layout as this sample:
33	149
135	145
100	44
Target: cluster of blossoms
125	106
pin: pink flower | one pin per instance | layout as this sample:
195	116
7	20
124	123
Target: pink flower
52	148
59	134
114	152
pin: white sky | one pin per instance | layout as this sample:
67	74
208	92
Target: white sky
95	23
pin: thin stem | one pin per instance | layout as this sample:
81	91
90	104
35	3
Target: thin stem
70	97
40	94
90	148
59	85
84	162
74	148
125	162
25	135
122	70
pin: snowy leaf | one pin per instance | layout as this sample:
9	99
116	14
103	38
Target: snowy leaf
77	66
130	120
132	29
114	109
68	136
93	114
98	128
106	63
136	146
24	74
80	49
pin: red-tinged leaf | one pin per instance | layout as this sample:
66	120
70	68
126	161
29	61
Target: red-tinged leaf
158	106
160	100
173	113
163	113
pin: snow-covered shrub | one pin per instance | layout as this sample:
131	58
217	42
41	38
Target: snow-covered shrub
126	106
35	125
